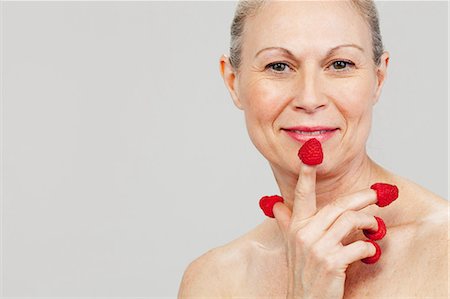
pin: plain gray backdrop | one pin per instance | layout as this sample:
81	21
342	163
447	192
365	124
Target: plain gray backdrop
124	159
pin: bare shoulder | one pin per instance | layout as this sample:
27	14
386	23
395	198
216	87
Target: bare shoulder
432	252
430	211
423	205
201	277
215	273
430	244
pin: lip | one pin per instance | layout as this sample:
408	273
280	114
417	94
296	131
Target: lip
302	138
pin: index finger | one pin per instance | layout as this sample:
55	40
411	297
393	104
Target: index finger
355	201
305	193
327	215
310	155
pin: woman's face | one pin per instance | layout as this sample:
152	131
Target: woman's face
290	76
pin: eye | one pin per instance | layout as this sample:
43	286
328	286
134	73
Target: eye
340	65
277	67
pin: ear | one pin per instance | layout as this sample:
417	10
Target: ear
381	75
230	78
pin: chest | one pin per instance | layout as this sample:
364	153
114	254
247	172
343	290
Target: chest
408	268
412	266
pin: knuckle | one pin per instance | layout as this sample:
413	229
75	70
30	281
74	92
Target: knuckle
318	254
301	238
301	193
349	218
330	264
336	206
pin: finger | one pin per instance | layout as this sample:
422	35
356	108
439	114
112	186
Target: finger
374	258
347	223
283	216
305	193
326	216
386	193
376	234
357	251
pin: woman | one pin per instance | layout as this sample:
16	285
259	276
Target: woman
304	69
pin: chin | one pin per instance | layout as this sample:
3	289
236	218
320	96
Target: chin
323	169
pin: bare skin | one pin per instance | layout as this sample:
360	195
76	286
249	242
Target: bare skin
414	261
299	254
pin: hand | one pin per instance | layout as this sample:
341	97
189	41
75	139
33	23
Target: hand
316	258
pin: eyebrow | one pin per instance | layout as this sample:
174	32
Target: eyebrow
330	51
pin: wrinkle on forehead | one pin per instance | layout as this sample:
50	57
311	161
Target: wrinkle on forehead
310	25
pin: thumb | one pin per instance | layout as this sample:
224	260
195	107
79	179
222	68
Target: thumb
283	216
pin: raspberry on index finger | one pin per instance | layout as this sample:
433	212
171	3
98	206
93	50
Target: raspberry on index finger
311	152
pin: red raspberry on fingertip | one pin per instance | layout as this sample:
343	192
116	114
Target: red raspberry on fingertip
311	152
266	203
373	259
377	234
386	193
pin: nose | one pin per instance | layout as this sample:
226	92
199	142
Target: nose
307	94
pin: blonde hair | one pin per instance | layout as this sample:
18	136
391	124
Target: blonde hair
247	8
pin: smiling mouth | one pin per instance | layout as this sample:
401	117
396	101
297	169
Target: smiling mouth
312	133
303	135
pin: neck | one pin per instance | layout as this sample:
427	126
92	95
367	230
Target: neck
355	176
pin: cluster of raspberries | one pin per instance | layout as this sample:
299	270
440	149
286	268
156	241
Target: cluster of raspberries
311	154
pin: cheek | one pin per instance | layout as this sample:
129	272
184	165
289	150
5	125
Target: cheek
354	103
354	99
263	101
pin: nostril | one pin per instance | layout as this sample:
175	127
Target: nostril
309	101
309	109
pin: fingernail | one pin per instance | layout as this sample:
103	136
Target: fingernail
266	204
376	234
311	152
373	259
386	193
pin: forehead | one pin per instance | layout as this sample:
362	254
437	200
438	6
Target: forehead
306	26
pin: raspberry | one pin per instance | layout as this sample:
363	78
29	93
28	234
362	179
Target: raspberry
266	203
373	259
385	193
311	152
377	234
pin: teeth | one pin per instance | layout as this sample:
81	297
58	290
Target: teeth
311	133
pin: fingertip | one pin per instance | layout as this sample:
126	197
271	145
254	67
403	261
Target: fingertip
378	233
266	203
311	152
375	256
386	193
280	209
